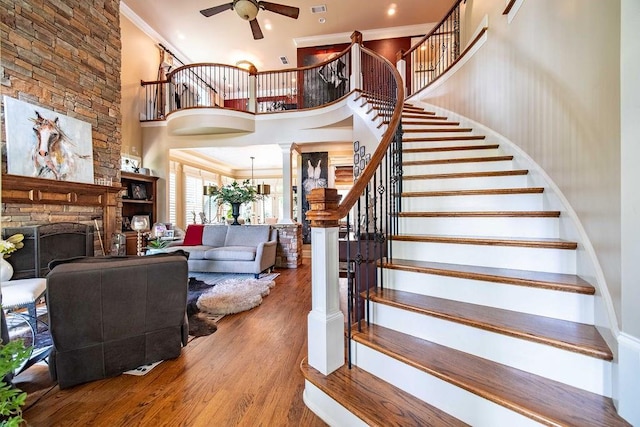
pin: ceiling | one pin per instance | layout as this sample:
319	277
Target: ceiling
226	38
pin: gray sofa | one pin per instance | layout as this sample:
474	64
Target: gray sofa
109	315
231	249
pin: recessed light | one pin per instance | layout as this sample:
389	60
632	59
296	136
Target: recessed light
392	9
267	24
322	20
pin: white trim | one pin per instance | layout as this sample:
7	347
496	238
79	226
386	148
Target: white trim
628	387
514	10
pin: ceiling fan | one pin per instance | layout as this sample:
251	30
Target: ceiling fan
248	10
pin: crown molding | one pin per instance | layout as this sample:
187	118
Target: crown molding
153	34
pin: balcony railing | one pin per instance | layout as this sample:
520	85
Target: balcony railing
434	54
230	87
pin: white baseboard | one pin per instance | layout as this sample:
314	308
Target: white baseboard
627	374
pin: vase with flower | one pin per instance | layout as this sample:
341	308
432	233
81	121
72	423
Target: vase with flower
234	194
7	247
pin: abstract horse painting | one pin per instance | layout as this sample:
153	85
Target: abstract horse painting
52	154
45	144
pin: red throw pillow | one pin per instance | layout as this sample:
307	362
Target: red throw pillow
193	235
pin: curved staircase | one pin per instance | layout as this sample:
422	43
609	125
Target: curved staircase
482	319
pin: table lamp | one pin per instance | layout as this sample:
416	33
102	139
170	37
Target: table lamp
140	223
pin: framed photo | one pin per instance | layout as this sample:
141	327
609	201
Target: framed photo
169	234
138	191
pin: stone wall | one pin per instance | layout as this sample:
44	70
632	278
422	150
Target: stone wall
289	249
65	56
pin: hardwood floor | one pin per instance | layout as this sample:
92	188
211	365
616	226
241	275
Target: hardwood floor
245	374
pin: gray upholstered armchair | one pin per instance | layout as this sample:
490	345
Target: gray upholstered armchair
110	315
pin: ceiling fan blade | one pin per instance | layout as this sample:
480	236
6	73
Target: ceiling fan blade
290	11
216	9
255	29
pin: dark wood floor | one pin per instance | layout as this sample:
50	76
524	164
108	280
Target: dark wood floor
245	374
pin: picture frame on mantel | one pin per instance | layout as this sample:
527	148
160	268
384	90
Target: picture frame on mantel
42	143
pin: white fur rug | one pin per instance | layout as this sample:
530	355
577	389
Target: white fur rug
234	295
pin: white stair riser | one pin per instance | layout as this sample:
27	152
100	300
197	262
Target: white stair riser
505	165
519	258
490	202
534	228
441	143
464	183
331	412
464	405
568	306
435	132
577	370
455	154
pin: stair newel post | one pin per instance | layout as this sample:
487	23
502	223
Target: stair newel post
325	322
356	61
401	66
253	89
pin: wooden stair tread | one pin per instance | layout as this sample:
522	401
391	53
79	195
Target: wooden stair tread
443	138
458	148
570	336
456	129
458	160
488	241
424	116
468	174
481	192
554	281
481	214
375	401
543	400
429	123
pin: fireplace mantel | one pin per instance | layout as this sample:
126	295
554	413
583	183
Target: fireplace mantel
28	190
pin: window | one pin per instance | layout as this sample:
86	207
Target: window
193	199
172	198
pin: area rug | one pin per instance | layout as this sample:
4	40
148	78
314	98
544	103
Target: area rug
222	292
235	295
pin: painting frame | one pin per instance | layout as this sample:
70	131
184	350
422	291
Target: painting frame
138	191
47	144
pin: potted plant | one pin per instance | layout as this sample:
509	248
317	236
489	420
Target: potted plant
156	245
12	355
235	194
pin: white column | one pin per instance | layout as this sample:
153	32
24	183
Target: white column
325	322
287	174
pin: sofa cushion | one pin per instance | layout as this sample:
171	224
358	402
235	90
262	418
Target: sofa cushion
193	235
214	235
231	253
247	235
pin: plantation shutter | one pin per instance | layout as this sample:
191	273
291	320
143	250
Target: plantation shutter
193	199
172	198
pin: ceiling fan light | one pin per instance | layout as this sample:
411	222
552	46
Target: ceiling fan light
246	9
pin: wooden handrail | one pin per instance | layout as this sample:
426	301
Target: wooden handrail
376	159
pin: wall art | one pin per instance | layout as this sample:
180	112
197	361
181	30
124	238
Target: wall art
46	144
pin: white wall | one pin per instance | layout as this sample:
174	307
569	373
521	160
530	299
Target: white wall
550	82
